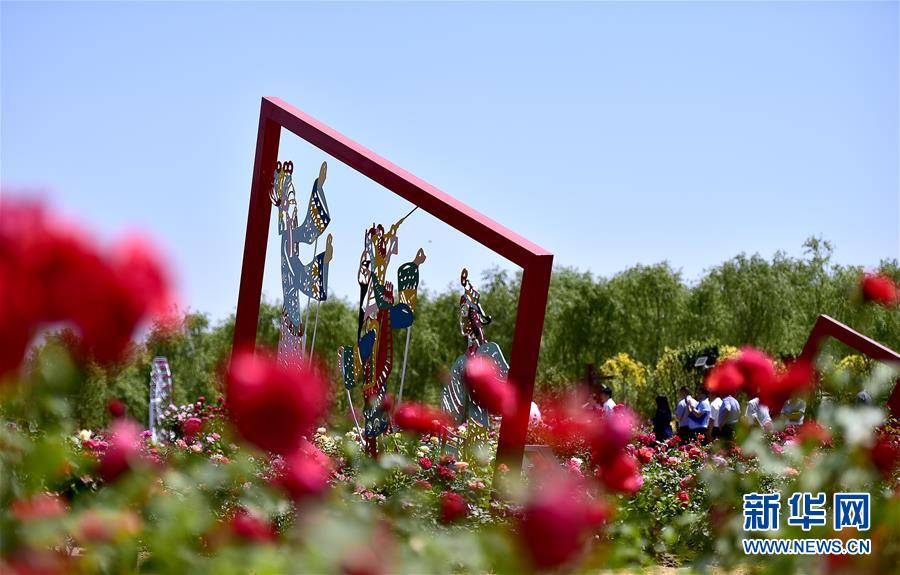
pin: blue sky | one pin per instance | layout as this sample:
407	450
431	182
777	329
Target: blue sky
609	133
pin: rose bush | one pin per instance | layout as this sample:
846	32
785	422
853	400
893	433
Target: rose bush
260	482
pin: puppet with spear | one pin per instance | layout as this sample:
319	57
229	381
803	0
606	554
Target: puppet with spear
382	309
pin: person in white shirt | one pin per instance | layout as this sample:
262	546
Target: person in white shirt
682	411
757	413
729	415
698	418
794	411
715	403
606	399
534	416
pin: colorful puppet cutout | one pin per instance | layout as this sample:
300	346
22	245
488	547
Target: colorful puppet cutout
298	278
382	309
455	398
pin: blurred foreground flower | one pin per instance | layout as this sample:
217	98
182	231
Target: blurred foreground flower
489	388
753	371
273	406
251	528
50	272
421	419
304	472
124	449
558	520
42	506
879	289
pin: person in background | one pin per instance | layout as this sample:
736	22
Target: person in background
682	410
606	399
757	413
698	417
662	419
729	415
794	411
534	416
714	404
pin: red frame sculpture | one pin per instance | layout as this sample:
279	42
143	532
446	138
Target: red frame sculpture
535	261
829	327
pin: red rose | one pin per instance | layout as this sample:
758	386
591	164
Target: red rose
645	454
305	472
42	506
251	528
421	419
446	473
453	507
725	379
489	388
885	456
123	451
879	288
813	433
622	474
191	427
686	482
116	407
612	435
271	405
757	368
557	522
50	272
797	379
684	497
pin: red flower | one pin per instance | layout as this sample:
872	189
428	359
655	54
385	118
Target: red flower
645	454
94	526
123	451
251	528
50	272
797	379
453	507
725	379
191	427
489	388
686	482
557	522
421	419
622	474
813	433
305	472
42	506
446	473
425	463
885	456
116	407
879	288
612	435
757	368
273	406
684	497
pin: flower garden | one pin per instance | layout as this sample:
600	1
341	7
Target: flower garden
269	475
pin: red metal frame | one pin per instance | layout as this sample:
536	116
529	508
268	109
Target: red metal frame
536	262
829	327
